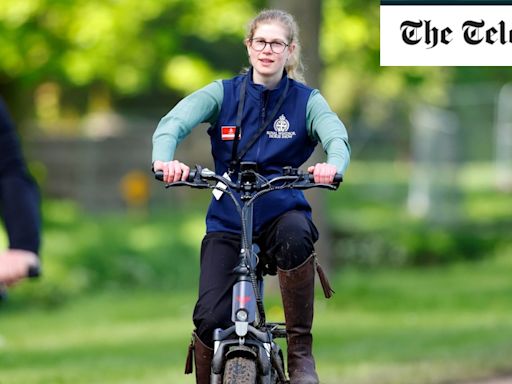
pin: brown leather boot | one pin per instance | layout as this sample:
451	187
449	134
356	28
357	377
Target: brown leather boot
203	360
297	291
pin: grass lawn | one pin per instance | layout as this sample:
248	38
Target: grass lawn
429	325
115	302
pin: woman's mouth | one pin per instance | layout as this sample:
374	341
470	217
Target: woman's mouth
266	61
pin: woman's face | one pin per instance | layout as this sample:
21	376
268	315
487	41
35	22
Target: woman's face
266	63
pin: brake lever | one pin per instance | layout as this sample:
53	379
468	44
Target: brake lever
308	185
202	185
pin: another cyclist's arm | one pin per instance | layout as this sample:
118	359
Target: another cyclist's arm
199	107
19	206
324	125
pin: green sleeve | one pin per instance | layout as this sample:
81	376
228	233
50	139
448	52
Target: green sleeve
325	126
201	106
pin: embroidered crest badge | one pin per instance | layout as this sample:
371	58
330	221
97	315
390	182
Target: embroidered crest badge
281	129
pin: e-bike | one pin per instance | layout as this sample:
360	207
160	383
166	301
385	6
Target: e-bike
246	352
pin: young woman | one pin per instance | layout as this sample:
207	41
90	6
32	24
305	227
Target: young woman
270	93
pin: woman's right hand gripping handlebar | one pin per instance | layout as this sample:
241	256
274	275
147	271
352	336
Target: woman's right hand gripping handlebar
173	170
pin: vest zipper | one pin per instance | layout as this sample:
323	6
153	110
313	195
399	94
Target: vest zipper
263	115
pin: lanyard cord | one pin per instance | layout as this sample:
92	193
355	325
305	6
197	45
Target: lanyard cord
233	164
236	157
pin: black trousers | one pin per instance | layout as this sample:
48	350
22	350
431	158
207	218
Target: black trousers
286	243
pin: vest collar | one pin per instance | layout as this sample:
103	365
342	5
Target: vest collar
256	90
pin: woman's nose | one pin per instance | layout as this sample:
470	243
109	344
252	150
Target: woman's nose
267	48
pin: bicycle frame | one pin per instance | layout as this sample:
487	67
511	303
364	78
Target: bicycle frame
250	336
242	339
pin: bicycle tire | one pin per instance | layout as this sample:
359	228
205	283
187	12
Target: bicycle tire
240	370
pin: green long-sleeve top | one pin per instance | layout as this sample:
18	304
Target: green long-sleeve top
203	106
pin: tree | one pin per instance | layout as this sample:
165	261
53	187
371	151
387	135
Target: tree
308	14
94	49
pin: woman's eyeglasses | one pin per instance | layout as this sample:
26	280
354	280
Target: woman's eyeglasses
275	46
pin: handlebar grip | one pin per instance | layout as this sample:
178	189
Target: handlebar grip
159	175
338	178
34	271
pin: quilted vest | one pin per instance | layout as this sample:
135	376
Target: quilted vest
285	142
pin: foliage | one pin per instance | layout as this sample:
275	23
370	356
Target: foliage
117	43
84	252
71	57
60	60
354	82
89	49
372	226
417	244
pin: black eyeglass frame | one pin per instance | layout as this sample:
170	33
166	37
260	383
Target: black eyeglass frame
279	44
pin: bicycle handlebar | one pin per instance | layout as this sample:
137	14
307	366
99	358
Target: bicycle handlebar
199	177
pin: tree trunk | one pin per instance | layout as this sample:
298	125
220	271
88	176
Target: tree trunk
308	14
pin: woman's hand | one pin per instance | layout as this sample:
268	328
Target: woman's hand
14	265
173	170
324	173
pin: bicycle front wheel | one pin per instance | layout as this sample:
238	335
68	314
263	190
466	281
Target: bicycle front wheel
240	370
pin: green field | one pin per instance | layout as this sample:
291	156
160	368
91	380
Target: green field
410	326
417	301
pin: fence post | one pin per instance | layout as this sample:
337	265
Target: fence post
503	134
433	190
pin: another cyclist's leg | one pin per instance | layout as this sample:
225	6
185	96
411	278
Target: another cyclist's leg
290	239
219	256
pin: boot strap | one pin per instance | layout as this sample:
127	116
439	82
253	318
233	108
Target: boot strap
324	281
189	364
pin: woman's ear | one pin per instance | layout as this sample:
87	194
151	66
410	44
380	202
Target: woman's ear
291	48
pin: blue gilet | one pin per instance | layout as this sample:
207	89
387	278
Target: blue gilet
285	142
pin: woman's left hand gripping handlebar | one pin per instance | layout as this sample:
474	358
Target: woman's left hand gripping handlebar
173	170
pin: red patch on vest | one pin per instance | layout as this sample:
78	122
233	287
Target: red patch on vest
228	132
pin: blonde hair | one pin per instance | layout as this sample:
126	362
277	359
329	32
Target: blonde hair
293	66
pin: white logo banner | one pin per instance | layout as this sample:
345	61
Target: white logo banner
451	34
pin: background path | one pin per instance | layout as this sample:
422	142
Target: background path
498	380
